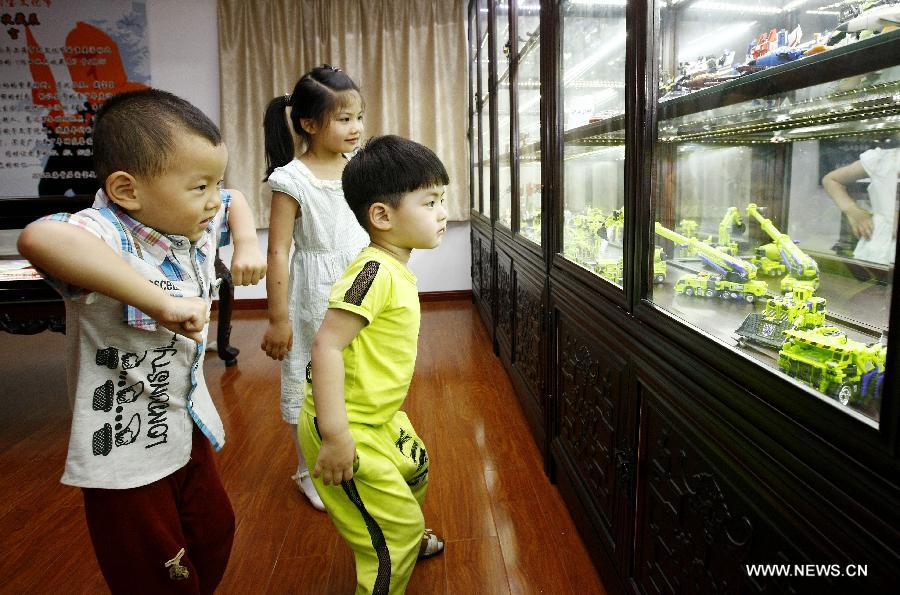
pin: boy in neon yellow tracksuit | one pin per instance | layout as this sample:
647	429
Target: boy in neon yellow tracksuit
371	467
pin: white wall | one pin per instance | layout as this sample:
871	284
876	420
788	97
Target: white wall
184	59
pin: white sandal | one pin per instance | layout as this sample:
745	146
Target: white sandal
304	482
432	545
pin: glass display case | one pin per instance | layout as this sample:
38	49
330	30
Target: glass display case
504	113
474	125
776	193
706	331
483	106
528	110
593	107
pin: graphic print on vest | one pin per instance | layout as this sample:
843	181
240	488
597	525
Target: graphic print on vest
136	374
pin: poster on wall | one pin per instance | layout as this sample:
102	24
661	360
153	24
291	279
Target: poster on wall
59	61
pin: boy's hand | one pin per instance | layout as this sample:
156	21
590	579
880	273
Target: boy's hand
860	221
183	316
335	462
278	339
248	265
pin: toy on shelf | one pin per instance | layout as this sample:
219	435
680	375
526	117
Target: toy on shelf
687	228
613	225
731	221
798	310
766	266
877	17
802	269
732	268
610	269
584	236
660	269
735	278
708	285
772	49
592	220
825	359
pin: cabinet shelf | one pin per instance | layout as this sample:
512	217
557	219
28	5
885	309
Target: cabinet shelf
879	51
874	109
610	131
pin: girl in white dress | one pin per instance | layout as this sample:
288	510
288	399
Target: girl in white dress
310	213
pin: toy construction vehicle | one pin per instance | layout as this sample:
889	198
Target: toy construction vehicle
798	310
731	220
734	278
660	270
613	226
801	268
611	270
825	359
767	266
687	228
709	285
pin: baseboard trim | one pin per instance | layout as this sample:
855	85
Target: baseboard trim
445	296
246	304
425	296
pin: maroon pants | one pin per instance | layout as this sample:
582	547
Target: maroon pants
135	532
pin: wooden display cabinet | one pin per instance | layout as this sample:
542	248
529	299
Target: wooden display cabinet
683	456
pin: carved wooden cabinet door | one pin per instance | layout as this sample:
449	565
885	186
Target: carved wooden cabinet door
592	411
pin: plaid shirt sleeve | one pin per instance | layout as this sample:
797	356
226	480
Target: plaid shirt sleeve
88	224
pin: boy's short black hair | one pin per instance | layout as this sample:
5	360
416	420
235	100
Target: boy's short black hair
135	132
387	168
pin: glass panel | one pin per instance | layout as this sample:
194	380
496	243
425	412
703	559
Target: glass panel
475	187
484	113
528	87
484	119
778	215
504	125
594	158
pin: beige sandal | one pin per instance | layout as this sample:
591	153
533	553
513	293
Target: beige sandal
432	545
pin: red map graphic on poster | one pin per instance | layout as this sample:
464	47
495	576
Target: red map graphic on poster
97	72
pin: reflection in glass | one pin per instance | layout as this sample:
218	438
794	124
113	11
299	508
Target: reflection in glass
474	154
504	124
528	86
483	117
779	219
594	154
485	161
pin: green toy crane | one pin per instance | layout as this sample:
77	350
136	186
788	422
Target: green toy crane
731	220
800	266
730	267
734	277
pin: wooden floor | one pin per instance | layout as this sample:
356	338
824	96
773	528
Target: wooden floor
506	527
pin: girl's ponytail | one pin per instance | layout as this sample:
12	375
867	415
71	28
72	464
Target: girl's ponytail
315	95
278	139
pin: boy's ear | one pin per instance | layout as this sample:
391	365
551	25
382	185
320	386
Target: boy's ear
380	216
121	188
309	125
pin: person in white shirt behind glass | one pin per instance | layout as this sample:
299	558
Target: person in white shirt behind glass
876	230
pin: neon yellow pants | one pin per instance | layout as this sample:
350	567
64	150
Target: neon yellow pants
379	511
